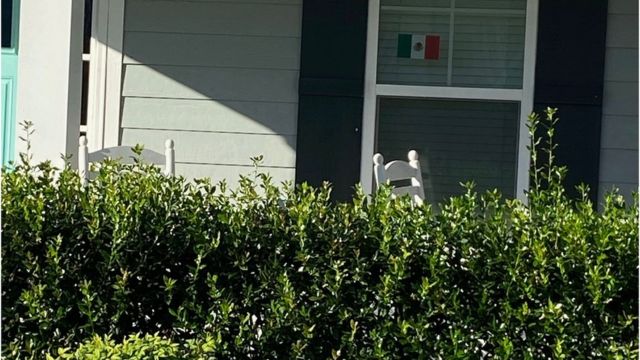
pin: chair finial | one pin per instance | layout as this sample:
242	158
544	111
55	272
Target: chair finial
83	160
169	158
378	159
413	155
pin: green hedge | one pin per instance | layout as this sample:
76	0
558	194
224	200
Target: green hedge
136	347
132	347
283	272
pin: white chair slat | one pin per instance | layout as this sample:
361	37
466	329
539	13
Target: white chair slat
125	155
405	190
401	170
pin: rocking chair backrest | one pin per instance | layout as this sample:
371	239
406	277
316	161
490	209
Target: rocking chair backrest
125	155
397	171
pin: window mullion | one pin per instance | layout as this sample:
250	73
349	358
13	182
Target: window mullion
452	16
448	92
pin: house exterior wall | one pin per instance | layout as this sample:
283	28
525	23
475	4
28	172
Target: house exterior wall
218	77
221	79
49	78
619	137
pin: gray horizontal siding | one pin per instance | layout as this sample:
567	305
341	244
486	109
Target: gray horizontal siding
205	50
621	64
619	165
218	148
622	30
620	97
619	138
188	82
208	17
220	78
232	173
210	115
624	189
618	132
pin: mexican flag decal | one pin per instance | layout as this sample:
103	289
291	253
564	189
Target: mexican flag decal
419	46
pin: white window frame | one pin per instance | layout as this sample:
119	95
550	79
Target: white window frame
105	74
373	91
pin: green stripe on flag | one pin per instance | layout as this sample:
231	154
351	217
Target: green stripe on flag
404	45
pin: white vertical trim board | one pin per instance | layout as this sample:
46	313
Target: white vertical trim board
95	106
114	73
105	74
370	98
373	90
526	104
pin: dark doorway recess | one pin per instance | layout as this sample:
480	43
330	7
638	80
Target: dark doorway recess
334	36
570	77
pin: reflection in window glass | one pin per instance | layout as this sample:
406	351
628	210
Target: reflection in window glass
492	4
86	49
85	93
7	18
393	68
477	43
488	51
419	3
457	141
86	39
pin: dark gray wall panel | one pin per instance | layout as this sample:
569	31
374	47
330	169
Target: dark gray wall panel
570	76
334	35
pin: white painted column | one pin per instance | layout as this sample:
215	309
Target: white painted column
50	77
370	98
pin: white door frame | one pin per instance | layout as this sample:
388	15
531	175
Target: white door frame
105	74
373	90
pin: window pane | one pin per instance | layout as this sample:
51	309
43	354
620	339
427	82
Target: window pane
488	51
86	39
492	4
418	3
396	68
85	93
487	43
7	17
457	141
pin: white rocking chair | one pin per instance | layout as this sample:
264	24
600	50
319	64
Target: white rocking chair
126	156
397	171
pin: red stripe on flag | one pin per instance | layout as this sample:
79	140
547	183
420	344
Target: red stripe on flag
432	50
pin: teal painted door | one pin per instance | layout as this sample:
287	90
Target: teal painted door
9	77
